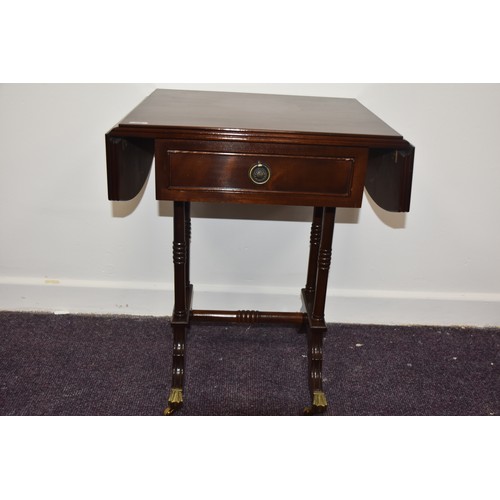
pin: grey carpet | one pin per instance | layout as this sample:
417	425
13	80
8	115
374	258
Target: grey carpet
116	365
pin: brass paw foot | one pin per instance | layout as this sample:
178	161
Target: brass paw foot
319	404
174	402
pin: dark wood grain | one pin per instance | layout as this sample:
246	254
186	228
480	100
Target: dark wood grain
389	178
260	124
300	174
128	165
294	180
314	151
270	317
256	112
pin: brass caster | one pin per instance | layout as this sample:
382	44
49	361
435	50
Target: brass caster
307	410
313	410
168	411
174	402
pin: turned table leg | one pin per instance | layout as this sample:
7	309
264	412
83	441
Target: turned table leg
180	316
315	298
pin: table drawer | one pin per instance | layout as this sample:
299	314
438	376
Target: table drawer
252	178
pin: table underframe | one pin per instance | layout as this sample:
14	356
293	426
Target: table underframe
313	297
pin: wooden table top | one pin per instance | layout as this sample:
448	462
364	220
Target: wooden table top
234	111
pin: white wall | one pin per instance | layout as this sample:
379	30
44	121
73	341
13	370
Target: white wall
64	247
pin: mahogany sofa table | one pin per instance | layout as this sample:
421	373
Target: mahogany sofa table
258	149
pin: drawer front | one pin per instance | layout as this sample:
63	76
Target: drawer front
252	178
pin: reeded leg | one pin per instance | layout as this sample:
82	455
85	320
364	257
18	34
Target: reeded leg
317	325
318	398
175	397
187	229
315	241
180	316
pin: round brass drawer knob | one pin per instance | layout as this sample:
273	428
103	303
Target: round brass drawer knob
259	173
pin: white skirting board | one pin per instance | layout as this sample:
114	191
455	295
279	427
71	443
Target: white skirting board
343	306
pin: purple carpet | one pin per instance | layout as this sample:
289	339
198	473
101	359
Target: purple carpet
116	365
